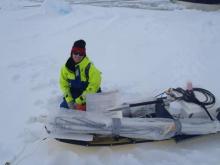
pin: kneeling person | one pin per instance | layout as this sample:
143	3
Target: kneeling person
78	78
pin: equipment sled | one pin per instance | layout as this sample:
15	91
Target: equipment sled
175	114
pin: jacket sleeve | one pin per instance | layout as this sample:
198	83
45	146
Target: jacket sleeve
64	85
93	86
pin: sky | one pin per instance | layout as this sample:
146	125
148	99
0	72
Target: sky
140	53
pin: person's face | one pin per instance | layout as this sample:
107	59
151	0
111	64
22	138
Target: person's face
77	57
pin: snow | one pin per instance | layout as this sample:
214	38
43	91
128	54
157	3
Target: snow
56	7
140	52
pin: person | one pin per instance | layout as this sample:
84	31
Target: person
78	77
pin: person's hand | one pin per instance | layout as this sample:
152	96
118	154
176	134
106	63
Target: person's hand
80	107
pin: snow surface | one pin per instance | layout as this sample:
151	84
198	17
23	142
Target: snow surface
140	52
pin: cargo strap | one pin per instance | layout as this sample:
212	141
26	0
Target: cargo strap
116	126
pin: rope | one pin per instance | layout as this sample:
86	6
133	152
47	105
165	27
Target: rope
20	156
190	97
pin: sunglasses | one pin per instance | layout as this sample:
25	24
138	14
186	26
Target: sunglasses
76	53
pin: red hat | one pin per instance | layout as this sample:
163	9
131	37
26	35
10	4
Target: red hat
79	46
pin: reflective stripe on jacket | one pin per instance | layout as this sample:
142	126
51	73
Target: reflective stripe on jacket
77	84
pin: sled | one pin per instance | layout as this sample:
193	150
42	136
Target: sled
175	114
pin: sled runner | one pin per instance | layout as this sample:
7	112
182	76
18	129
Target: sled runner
175	114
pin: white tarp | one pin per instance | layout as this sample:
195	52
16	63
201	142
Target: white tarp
76	122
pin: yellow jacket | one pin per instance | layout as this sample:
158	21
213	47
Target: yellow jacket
76	82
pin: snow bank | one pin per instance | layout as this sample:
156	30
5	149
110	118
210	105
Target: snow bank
56	7
10	4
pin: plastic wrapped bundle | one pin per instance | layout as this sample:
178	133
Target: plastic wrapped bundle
75	122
